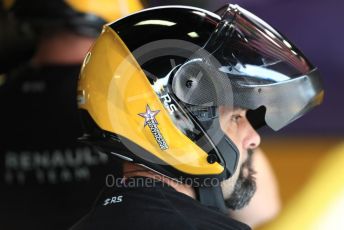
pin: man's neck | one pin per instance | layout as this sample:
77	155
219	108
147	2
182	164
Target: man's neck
62	48
131	170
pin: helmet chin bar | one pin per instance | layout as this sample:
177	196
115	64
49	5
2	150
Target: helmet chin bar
211	195
223	147
214	141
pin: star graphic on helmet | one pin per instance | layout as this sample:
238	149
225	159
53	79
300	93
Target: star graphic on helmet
149	115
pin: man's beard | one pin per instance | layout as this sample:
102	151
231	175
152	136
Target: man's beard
245	187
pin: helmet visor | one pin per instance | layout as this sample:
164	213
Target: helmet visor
252	66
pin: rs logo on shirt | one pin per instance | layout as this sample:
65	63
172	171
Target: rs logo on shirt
113	200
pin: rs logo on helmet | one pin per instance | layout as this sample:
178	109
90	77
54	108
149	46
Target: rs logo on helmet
167	102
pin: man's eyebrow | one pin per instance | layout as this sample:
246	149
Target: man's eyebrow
237	109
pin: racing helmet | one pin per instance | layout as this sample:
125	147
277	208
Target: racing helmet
85	17
151	85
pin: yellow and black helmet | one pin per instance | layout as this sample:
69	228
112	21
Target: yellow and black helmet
151	85
85	17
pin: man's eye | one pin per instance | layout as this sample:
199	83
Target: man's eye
236	117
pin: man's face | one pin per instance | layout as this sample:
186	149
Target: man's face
241	186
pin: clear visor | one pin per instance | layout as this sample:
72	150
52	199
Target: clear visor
248	64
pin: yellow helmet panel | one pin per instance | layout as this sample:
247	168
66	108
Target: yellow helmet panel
117	95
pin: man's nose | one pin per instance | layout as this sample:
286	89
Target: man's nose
252	139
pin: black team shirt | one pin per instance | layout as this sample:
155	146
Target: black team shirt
154	207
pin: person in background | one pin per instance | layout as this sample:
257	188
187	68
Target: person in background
48	179
16	43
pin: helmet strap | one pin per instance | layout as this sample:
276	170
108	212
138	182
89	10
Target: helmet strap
213	197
